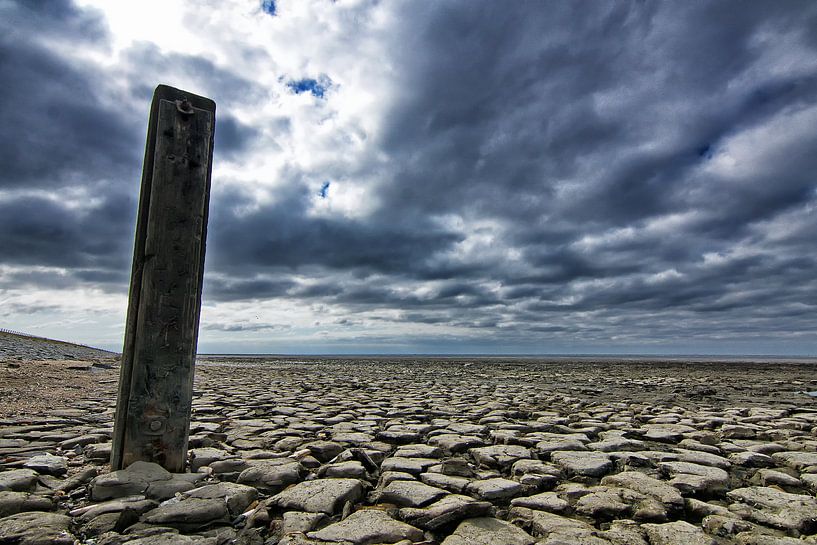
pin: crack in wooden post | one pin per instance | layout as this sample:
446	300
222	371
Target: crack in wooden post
152	421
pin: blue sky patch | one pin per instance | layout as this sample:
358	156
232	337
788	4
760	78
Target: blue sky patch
324	192
317	87
268	6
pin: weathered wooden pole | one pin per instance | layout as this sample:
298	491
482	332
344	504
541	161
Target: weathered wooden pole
152	420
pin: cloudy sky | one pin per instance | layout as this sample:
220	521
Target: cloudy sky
428	177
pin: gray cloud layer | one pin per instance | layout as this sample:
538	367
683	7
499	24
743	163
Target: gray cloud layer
561	176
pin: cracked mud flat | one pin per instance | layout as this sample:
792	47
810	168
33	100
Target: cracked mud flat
452	451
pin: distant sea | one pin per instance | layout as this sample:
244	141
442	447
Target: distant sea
309	358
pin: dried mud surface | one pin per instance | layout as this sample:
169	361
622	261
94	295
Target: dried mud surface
543	447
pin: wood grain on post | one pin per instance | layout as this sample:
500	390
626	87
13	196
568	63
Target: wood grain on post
152	420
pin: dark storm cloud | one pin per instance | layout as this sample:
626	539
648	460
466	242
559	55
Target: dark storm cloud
556	174
71	150
577	132
57	128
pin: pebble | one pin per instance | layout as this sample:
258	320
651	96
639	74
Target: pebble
368	526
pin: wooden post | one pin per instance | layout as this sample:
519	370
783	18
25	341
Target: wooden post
152	420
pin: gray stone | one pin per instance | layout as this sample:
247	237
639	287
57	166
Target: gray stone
499	455
297	521
415	466
418	450
48	464
702	458
488	531
446	511
546	501
367	527
455	443
238	497
625	532
676	533
665	493
692	478
351	469
554	445
18	480
447	482
189	514
777	508
271	475
751	459
585	464
321	495
666	433
617	444
12	503
810	480
324	451
756	538
130	481
796	460
494	489
36	528
604	502
725	526
97	451
163	490
766	477
200	457
137	504
410	493
556	529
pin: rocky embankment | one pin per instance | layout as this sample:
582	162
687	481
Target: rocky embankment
14	347
436	452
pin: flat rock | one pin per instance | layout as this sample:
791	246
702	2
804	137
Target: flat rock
676	533
499	455
796	460
204	456
556	529
447	482
238	497
755	538
586	464
368	527
410	493
455	443
692	478
446	511
605	502
415	466
271	475
351	469
776	508
662	491
494	489
163	490
18	480
296	521
666	433
130	481
320	496
748	458
488	531
12	503
189	514
137	504
48	464
36	528
545	501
